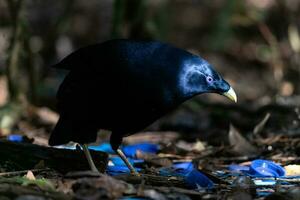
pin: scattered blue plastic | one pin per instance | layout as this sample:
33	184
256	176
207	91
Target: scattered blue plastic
105	147
15	138
260	168
193	177
130	150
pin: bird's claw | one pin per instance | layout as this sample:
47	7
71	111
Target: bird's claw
135	173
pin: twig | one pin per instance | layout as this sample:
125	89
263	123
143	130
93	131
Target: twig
16	46
153	180
277	62
15	173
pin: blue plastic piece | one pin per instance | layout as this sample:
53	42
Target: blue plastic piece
130	150
193	177
260	168
266	168
119	162
262	182
237	168
116	170
15	138
105	147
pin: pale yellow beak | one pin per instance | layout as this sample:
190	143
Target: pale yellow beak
230	94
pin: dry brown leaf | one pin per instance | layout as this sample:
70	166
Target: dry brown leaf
260	126
292	170
103	187
47	116
240	145
30	175
152	137
3	91
154	159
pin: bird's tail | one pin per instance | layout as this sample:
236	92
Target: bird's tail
62	132
67	130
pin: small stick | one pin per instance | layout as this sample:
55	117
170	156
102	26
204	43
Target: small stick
22	172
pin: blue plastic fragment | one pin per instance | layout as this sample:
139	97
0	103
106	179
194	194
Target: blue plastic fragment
15	138
237	168
266	168
260	182
117	161
260	168
193	177
105	147
116	170
130	150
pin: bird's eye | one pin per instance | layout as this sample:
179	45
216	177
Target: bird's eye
209	79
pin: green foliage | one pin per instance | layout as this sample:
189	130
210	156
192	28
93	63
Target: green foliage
42	183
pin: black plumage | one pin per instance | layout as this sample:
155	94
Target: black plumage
125	85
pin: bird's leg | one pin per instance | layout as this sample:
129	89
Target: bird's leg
115	142
89	158
129	165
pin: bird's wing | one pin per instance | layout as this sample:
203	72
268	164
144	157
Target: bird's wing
80	58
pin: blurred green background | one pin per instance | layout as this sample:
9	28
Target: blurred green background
254	44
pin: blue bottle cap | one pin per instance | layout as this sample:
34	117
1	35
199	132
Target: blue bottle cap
105	147
130	150
266	168
193	177
15	138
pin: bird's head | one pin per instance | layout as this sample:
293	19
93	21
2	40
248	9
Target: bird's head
198	76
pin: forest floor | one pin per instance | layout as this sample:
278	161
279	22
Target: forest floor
212	161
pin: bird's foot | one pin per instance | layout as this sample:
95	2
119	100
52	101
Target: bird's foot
135	173
129	165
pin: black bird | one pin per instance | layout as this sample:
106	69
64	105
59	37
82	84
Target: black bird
124	86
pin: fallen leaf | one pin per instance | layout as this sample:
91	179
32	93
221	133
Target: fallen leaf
104	187
153	194
164	137
154	159
292	170
260	126
30	176
47	116
240	145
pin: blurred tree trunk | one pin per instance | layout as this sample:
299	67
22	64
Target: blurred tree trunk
118	14
139	19
32	70
10	113
16	11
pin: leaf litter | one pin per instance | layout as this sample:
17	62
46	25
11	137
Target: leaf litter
173	165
